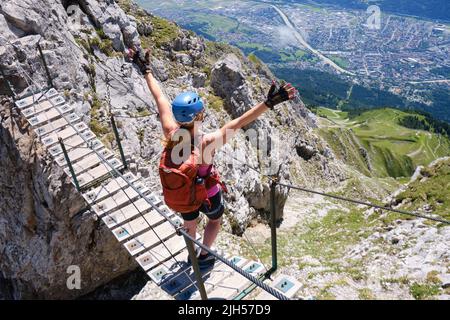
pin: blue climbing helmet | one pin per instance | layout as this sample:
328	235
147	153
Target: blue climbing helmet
186	106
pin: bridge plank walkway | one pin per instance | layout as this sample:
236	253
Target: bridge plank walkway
143	232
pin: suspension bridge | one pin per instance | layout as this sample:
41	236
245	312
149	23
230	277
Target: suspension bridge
138	218
148	230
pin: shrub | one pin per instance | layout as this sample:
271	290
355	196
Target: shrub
94	42
164	32
98	128
141	134
101	34
423	291
216	103
106	46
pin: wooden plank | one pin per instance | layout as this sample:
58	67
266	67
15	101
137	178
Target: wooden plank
169	271
176	274
77	141
120	216
175	281
74	155
98	172
217	275
23	103
49	115
53	138
63	132
44	117
97	156
37	108
118	199
230	287
149	239
108	189
211	279
159	254
89	162
70	143
133	227
236	281
210	283
52	126
26	102
44	105
94	144
183	286
189	293
221	293
138	225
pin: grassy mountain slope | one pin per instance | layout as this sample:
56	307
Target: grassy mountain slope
431	190
377	145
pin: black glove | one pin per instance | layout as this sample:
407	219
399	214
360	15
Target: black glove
142	60
279	95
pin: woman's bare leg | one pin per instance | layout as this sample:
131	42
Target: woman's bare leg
211	230
191	227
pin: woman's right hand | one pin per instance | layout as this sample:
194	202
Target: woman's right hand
141	58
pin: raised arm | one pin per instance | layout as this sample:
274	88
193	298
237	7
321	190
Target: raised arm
275	96
165	113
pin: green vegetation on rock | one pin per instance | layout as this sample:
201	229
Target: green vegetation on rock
141	134
214	102
100	41
433	190
324	239
366	294
164	31
424	291
96	124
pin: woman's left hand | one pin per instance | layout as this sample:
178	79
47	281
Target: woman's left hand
141	58
282	94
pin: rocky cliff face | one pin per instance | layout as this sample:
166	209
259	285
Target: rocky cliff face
42	230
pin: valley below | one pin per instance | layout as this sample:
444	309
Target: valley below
328	51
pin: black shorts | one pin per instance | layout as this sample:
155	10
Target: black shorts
213	213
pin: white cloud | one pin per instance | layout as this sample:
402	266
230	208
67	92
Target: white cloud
285	37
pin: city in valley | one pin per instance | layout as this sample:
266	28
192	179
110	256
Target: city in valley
404	59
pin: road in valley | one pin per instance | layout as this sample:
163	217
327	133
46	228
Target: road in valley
306	45
447	81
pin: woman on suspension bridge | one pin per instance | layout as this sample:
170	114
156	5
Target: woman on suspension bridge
190	183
